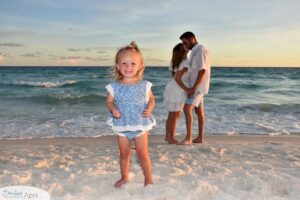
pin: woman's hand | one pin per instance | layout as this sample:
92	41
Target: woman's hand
191	92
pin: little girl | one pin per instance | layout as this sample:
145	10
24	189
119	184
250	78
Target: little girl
131	101
176	90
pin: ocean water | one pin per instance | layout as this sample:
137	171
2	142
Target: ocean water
70	102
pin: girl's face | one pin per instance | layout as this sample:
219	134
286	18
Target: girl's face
129	63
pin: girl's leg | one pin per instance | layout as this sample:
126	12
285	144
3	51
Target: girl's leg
124	147
171	124
141	144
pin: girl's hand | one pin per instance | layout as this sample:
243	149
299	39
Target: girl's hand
147	112
116	113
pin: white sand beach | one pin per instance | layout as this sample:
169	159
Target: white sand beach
224	167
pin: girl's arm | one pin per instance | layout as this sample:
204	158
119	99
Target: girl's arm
111	106
151	105
178	80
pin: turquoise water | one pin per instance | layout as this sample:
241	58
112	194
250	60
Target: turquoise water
70	102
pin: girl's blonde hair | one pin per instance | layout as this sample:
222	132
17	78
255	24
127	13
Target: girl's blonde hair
135	49
178	55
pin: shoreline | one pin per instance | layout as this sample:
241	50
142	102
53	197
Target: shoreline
150	66
153	139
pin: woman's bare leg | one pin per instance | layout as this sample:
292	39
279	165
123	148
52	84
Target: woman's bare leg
171	124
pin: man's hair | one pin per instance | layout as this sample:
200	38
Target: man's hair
187	35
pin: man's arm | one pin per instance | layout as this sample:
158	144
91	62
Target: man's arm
203	62
198	81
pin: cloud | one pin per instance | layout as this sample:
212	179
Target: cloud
75	50
92	49
70	60
1	58
42	3
156	60
69	57
89	49
51	56
96	59
12	44
33	55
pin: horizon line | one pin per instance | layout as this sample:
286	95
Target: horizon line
145	66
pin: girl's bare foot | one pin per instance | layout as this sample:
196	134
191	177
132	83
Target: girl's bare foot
120	182
185	142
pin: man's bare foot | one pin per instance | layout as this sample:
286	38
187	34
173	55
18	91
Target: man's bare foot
172	141
185	142
197	140
167	137
120	182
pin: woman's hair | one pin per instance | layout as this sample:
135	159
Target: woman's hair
178	55
135	49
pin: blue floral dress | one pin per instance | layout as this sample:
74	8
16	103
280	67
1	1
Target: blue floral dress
131	100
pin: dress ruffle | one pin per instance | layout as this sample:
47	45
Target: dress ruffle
174	106
146	127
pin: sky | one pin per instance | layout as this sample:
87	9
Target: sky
88	33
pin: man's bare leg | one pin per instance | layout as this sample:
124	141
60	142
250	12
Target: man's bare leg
201	120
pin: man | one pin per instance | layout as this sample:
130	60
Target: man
199	86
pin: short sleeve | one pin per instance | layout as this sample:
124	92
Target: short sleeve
148	89
110	90
184	64
202	59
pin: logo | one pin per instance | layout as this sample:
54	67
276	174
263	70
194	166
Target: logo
23	193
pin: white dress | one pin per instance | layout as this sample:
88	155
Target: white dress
174	95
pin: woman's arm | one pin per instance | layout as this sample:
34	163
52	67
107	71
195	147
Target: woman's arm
178	80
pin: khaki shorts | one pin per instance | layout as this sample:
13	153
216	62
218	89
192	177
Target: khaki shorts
197	100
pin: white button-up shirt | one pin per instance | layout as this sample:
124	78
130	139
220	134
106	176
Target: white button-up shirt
199	59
